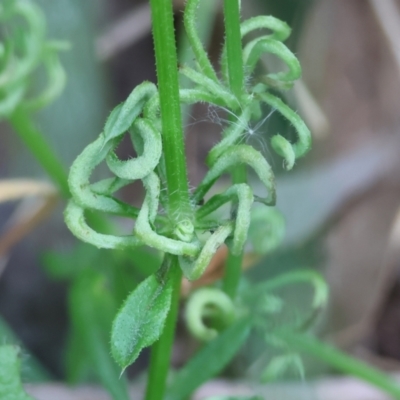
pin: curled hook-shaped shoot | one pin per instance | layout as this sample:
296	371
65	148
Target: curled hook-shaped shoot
214	88
140	167
239	154
91	196
126	113
321	290
74	216
243	195
189	20
289	151
257	47
194	267
280	29
212	305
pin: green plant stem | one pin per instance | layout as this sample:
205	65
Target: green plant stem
172	133
177	185
161	350
340	361
233	268
234	46
39	147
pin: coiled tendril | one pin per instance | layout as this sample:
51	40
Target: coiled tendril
22	52
138	116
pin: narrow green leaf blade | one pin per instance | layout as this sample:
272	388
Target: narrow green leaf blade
92	309
209	361
140	321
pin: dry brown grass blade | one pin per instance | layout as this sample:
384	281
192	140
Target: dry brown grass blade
16	189
39	199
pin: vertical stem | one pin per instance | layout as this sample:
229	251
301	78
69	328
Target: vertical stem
177	185
234	46
236	82
38	146
161	350
172	133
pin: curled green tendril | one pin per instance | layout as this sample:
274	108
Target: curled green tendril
255	49
217	91
98	196
21	54
280	30
193	268
312	278
209	304
244	197
123	116
202	59
75	220
239	154
140	167
289	151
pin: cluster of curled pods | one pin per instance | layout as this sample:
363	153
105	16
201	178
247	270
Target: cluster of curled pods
139	117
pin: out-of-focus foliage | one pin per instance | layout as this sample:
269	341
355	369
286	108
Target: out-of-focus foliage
10	383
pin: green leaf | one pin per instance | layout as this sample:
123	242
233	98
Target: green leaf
10	382
209	361
140	321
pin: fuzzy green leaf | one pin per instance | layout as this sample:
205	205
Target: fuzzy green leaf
140	321
209	361
10	382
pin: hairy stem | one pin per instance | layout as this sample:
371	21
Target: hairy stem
234	46
161	350
236	83
172	134
177	186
